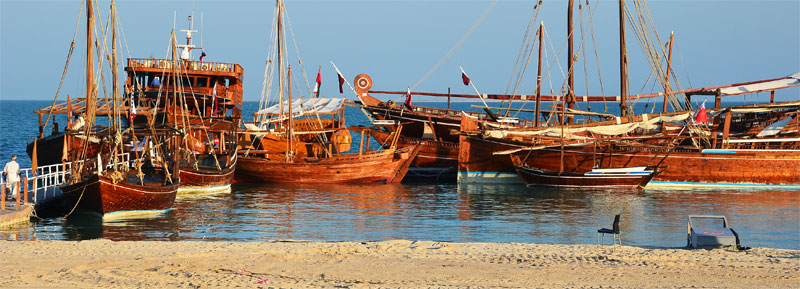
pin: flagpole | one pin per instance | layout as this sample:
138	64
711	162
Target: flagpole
345	80
473	87
486	106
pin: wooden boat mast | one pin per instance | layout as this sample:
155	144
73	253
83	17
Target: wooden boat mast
115	85
90	100
570	71
290	128
623	62
280	56
669	65
538	77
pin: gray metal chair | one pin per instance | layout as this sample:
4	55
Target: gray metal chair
614	232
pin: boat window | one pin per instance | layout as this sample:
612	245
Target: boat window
187	81
202	82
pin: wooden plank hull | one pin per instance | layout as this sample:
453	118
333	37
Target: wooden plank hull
737	168
432	154
440	121
206	180
477	162
387	166
100	195
538	177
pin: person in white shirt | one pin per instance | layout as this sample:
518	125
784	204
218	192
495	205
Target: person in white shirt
11	173
79	122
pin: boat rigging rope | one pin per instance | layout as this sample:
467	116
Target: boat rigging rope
457	45
597	57
583	47
643	25
269	69
66	65
527	46
297	50
527	43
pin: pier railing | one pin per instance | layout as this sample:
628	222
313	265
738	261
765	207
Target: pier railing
45	182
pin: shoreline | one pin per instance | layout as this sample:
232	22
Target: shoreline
399	263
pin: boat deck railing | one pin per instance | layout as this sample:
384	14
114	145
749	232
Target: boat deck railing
44	183
193	65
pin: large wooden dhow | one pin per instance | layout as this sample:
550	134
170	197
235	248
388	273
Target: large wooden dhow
729	154
113	181
274	152
291	143
203	99
383	166
122	192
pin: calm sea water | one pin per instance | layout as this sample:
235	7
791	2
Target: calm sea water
419	211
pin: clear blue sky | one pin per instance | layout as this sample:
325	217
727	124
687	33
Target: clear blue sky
397	42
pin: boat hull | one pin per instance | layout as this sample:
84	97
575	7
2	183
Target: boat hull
538	177
435	158
387	166
694	168
100	195
202	180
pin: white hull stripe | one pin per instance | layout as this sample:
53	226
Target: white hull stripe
665	184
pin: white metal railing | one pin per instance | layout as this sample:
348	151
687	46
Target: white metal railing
45	182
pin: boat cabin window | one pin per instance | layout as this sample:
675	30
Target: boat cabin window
202	82
187	81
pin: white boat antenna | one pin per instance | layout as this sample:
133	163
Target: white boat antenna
201	29
186	53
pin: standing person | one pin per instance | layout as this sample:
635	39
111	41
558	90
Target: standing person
11	173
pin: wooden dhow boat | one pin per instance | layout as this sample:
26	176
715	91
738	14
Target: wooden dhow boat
316	160
625	178
734	157
112	181
702	157
281	154
203	99
209	165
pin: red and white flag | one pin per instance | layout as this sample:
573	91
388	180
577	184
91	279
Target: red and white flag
408	103
464	78
700	116
319	82
341	82
132	113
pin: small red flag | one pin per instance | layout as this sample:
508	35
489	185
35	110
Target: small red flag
202	55
701	116
341	82
408	103
464	78
319	81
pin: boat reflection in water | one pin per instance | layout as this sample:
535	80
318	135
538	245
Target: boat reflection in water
446	212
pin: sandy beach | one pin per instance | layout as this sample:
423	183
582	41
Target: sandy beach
385	264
